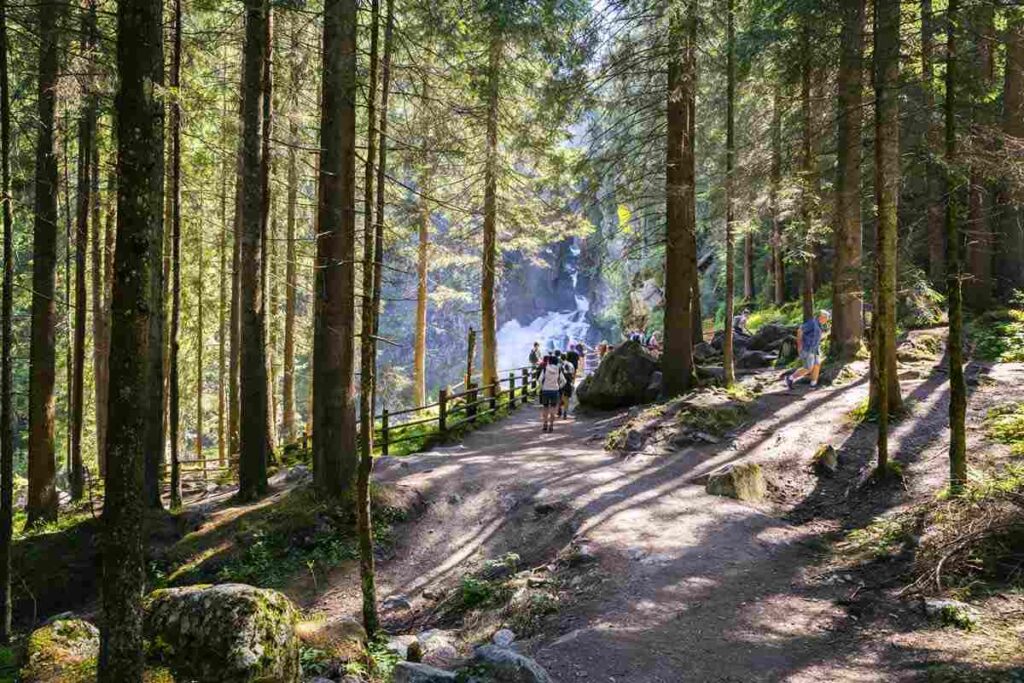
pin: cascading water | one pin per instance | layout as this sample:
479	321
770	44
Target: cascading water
553	329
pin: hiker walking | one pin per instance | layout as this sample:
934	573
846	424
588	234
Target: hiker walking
551	381
808	345
569	373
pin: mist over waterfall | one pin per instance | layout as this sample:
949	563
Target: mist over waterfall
560	315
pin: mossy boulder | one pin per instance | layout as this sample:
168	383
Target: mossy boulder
507	666
229	633
622	379
742	481
63	651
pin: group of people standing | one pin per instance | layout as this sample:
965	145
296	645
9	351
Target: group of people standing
557	371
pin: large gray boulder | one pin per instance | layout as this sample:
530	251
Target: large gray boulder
506	666
622	379
770	336
228	633
412	672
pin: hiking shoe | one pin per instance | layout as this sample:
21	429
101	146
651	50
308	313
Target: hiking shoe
789	381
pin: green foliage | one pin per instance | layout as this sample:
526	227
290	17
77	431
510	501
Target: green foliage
957	617
476	592
1005	424
999	335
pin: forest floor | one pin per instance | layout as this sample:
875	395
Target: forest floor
633	572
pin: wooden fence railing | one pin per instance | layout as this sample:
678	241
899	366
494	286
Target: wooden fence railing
454	409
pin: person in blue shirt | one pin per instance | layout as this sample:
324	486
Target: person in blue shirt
808	345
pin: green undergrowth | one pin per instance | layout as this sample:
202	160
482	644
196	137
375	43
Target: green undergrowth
269	545
998	335
1005	424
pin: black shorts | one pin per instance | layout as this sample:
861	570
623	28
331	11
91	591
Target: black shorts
567	391
549	398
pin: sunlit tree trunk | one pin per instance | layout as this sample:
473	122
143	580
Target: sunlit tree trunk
42	462
222	327
488	314
266	228
253	427
419	381
730	153
290	285
848	292
174	385
933	134
334	427
778	267
808	170
6	330
680	257
83	212
887	184
978	257
954	274
1010	254
137	266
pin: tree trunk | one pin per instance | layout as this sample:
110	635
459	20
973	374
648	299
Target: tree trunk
85	200
887	184
137	267
730	153
808	171
252	468
680	257
778	267
334	435
266	211
979	255
42	462
235	313
222	327
6	337
1010	254
98	307
290	284
848	293
156	427
954	348
488	315
200	287
933	134
419	381
174	384
102	379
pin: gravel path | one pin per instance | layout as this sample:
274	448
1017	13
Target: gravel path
692	587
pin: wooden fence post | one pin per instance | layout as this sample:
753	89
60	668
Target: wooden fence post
384	432
511	389
495	390
472	396
526	386
470	352
442	411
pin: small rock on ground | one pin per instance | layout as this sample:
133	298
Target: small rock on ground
411	672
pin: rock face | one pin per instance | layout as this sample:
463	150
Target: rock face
63	651
229	633
743	481
623	379
770	336
506	666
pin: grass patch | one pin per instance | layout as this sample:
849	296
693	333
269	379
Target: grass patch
715	420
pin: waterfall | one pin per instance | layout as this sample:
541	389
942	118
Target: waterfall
553	329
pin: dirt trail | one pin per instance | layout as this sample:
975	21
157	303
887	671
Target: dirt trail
692	587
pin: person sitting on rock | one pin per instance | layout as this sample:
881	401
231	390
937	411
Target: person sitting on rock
808	345
739	322
535	355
